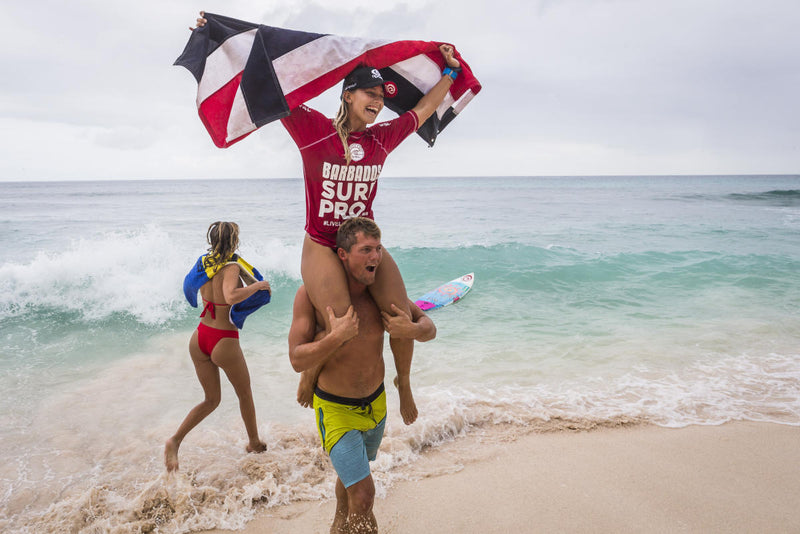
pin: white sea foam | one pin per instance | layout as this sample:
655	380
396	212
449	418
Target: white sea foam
93	454
139	273
667	301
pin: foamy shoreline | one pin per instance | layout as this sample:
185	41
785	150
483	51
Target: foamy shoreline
737	477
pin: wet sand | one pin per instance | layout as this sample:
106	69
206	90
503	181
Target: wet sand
738	477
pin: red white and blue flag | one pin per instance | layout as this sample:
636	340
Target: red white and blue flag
249	74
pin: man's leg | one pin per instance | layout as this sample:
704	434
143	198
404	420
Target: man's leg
355	489
339	525
360	498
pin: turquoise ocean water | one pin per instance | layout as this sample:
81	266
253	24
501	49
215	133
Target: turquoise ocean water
597	300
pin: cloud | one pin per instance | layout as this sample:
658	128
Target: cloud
126	137
570	87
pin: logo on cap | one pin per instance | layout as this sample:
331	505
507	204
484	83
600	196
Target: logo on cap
376	74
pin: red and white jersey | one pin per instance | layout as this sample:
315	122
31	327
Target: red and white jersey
336	191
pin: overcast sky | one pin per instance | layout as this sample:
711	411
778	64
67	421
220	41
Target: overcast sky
570	87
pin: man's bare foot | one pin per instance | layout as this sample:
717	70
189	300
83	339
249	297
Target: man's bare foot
408	408
256	446
305	391
171	455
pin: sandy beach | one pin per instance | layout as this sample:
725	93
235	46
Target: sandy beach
738	477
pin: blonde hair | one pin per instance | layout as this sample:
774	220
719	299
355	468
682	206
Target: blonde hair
224	240
342	128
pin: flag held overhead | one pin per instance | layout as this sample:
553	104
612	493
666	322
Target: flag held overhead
250	74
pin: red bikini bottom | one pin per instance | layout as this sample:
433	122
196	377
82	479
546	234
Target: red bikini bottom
208	337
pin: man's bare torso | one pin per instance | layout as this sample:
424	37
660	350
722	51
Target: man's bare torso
357	368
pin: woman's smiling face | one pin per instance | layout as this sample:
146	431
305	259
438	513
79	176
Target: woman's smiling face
364	106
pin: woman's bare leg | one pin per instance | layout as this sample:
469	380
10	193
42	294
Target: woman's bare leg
208	375
227	354
326	285
389	289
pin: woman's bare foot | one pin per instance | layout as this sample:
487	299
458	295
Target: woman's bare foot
305	390
171	454
256	446
408	408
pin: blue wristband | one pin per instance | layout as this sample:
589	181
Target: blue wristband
450	72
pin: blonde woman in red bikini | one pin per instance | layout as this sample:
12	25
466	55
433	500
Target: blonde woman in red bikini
215	343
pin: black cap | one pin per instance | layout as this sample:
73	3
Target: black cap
362	78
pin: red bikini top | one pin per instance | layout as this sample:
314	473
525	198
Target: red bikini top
211	307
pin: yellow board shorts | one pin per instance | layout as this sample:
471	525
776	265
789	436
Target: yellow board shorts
338	415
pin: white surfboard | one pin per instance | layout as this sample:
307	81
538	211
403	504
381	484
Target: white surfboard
445	294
